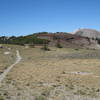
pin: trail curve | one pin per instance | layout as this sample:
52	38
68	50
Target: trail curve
4	74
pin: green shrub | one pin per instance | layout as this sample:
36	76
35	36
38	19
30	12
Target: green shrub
32	45
45	47
40	98
80	92
1	98
59	45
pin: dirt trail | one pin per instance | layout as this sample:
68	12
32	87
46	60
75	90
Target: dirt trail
18	59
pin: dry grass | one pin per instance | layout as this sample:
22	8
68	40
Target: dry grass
51	74
6	60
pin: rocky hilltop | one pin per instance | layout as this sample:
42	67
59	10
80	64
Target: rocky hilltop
90	33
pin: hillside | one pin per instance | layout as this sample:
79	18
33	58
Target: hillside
70	40
83	38
21	40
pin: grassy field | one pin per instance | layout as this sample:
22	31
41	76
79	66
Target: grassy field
57	74
6	59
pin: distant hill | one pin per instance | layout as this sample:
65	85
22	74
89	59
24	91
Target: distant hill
82	38
90	33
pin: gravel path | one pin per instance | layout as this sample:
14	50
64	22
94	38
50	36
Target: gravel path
18	59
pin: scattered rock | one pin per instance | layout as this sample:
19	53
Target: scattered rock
6	53
80	73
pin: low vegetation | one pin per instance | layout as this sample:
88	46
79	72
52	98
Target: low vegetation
21	40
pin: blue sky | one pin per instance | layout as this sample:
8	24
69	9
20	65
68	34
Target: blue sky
21	17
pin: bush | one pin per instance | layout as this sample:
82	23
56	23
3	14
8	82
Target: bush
76	49
32	45
98	40
59	45
1	98
45	47
40	98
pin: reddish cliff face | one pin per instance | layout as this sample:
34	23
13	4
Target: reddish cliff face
45	36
